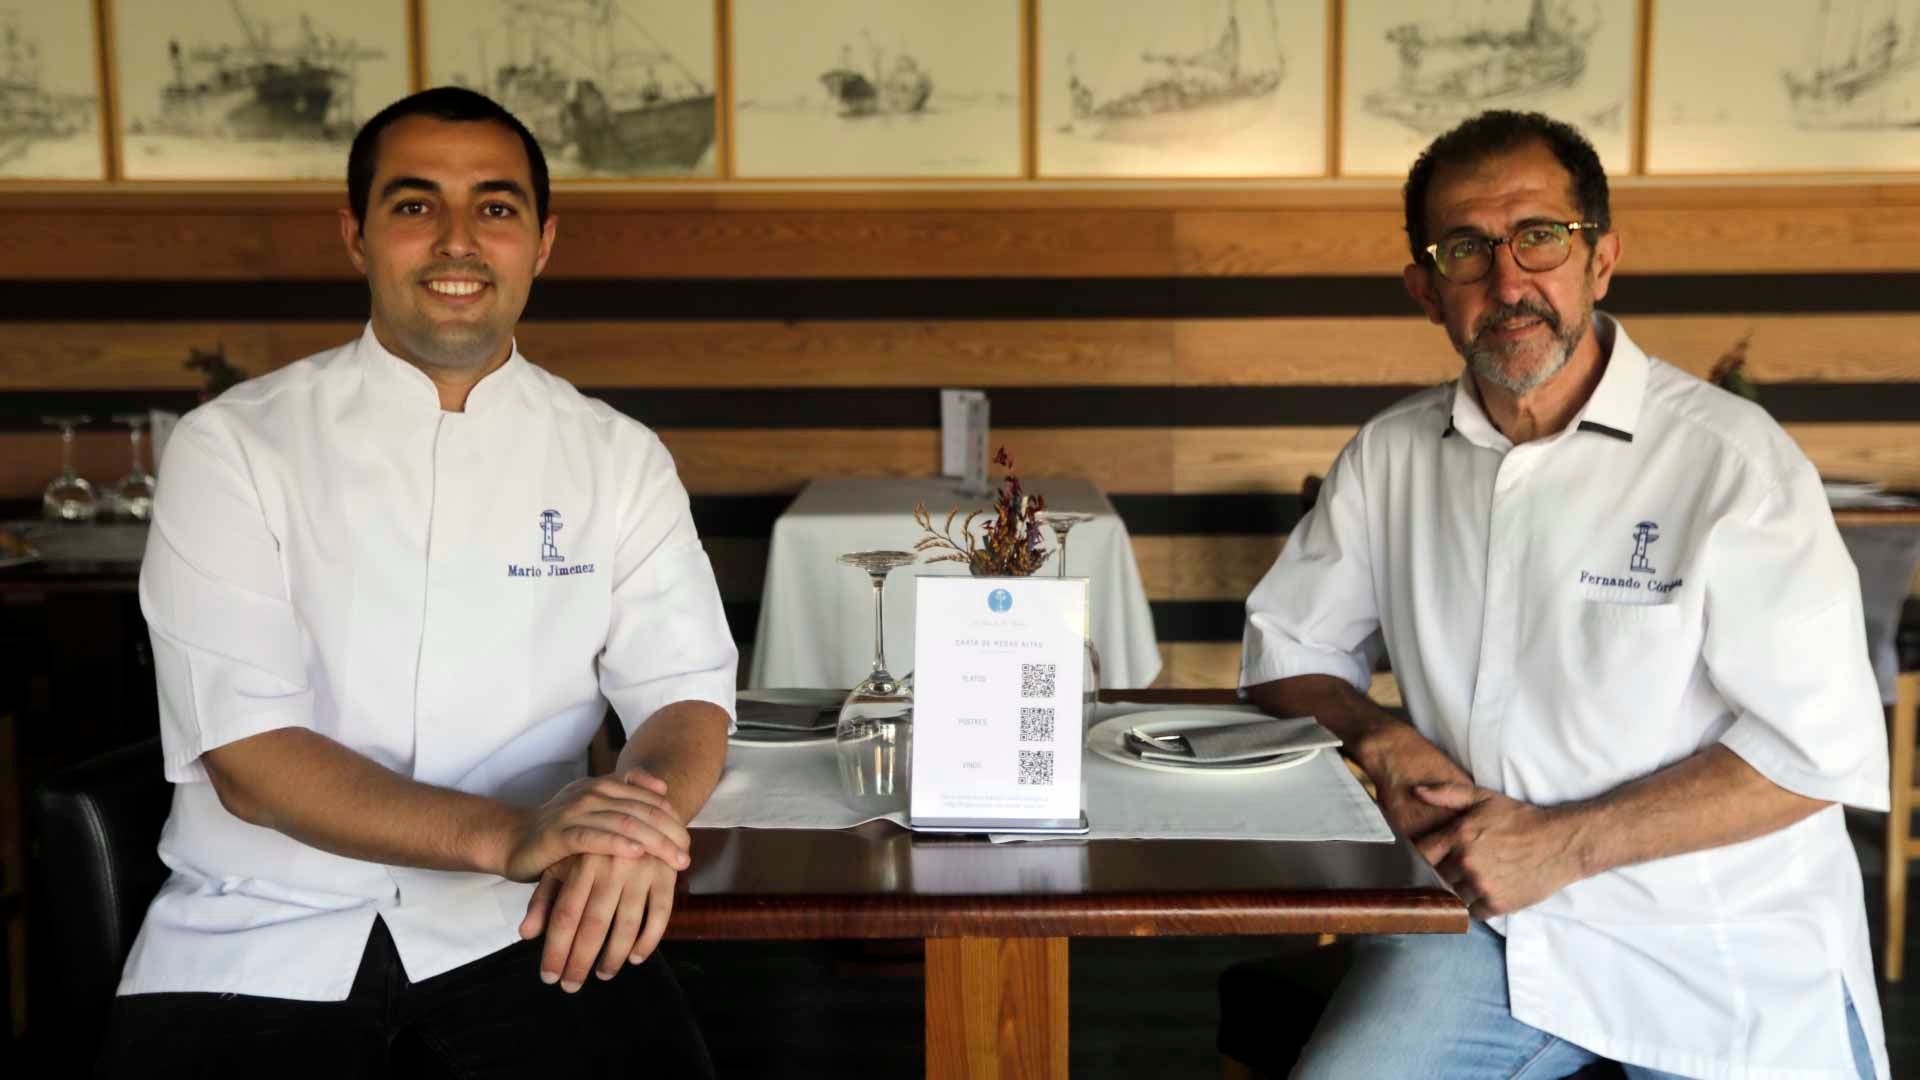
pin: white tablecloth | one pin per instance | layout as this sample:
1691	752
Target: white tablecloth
798	787
816	615
1885	555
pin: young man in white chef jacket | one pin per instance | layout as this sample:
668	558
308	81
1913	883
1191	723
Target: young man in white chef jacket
1631	644
392	588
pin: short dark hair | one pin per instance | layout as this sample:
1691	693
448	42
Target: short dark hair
1497	132
453	104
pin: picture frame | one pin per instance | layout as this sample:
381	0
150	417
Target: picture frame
1818	87
877	89
255	90
1145	89
1412	70
53	126
614	90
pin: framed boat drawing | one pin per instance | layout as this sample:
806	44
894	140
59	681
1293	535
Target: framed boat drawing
1817	86
901	89
252	89
1414	69
1216	88
50	121
612	88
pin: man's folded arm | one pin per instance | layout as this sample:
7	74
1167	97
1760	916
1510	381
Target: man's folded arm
236	706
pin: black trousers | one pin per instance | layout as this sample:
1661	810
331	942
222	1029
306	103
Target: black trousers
492	1017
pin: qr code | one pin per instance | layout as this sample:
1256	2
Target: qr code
1036	680
1036	766
1036	723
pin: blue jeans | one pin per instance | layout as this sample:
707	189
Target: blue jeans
1435	1005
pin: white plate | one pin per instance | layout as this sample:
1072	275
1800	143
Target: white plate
1108	738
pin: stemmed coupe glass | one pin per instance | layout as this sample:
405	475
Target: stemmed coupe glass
69	497
1062	522
133	495
875	734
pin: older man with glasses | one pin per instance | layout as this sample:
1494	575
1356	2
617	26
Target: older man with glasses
1631	645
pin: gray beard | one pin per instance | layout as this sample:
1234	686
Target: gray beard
1487	363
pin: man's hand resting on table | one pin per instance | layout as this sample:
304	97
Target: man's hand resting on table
629	817
1399	761
601	912
1499	854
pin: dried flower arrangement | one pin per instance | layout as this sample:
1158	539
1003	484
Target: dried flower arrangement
1730	371
1009	542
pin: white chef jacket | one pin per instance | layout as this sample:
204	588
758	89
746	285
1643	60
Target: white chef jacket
1572	613
458	596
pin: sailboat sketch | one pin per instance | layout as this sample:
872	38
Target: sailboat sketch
597	86
30	113
1863	68
1202	94
256	88
1447	74
902	87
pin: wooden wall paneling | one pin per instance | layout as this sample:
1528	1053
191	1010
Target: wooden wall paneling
290	232
1291	351
1277	459
31	459
1239	459
765	461
1235	243
974	353
63	244
1412	351
1888	453
1789	348
1769	239
103	356
872	243
1666	229
1219	567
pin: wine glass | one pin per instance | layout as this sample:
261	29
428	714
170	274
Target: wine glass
69	497
1061	522
875	734
133	495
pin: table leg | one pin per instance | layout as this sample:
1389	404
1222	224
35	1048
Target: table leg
997	1008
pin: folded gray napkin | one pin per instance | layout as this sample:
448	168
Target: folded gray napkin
1234	743
774	716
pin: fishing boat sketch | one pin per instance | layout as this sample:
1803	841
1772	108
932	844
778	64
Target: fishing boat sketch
1205	94
1446	76
574	75
1862	71
28	112
902	87
257	89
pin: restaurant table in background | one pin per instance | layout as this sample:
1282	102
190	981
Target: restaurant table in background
816	616
1885	545
996	917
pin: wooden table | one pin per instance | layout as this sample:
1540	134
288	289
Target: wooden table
996	917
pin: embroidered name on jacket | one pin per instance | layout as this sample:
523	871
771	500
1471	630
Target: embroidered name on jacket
556	563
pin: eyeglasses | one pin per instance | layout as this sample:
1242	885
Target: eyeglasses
1537	248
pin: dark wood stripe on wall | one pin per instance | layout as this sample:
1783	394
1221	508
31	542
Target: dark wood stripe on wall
937	298
1012	407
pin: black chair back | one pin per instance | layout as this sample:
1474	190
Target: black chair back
97	830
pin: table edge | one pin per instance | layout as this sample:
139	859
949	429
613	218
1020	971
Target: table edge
1222	914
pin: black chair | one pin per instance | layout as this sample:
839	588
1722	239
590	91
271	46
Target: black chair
96	830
